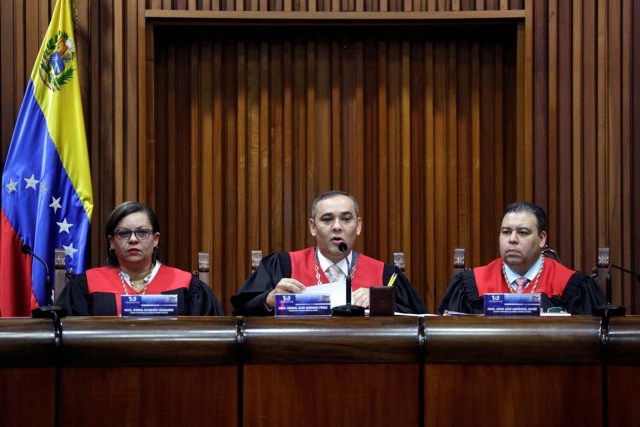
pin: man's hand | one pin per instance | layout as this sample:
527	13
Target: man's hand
361	297
284	286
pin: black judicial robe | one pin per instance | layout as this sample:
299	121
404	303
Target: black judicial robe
250	300
559	286
97	293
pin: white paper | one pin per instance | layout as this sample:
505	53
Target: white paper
337	291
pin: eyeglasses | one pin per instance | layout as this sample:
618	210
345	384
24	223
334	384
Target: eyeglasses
125	233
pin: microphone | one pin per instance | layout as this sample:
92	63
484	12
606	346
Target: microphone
47	311
347	310
26	249
610	309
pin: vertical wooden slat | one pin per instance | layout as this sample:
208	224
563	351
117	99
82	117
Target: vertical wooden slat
8	74
589	140
626	142
340	58
383	140
577	129
634	89
250	79
194	156
527	101
219	246
123	178
552	106
167	160
225	184
300	115
312	188
475	154
452	158
404	196
244	191
275	111
210	130
541	132
440	154
359	175
613	135
145	98
389	175
288	144
326	157
464	149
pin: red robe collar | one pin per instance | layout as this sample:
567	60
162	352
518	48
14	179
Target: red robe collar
107	280
368	271
553	280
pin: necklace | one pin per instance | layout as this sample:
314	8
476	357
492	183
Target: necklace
140	286
535	280
354	258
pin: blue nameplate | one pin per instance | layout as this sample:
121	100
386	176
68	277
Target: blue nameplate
303	305
149	305
512	304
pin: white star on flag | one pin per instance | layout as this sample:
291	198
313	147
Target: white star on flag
55	204
11	186
69	250
31	182
64	226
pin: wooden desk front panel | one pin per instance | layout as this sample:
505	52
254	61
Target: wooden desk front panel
149	396
623	371
336	394
27	396
459	395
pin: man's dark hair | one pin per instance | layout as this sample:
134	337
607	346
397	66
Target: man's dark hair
536	210
330	194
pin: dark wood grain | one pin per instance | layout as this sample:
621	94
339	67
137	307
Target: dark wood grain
335	340
508	395
28	395
132	342
149	396
27	342
336	394
512	340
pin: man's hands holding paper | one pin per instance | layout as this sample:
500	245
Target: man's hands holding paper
285	286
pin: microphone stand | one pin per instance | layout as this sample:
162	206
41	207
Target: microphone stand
347	310
609	310
48	311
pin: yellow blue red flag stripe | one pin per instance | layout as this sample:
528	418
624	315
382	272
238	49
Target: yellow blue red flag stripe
47	198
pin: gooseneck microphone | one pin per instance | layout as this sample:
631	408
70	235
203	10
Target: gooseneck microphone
26	249
609	309
347	310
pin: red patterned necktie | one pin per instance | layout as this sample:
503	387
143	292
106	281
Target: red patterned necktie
520	284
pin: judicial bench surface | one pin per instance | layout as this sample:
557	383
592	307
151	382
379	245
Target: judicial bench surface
386	371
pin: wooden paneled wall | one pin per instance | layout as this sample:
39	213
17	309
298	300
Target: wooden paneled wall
229	134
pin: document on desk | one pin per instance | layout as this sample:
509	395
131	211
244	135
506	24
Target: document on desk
337	291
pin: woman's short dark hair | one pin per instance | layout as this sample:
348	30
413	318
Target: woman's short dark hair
120	212
536	210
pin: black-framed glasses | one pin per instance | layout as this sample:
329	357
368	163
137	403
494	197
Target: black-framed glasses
125	233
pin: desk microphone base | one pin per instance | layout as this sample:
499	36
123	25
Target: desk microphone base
609	310
347	310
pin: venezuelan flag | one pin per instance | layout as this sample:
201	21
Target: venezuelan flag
47	198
